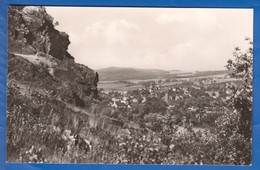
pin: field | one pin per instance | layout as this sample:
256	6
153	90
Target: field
121	86
134	84
118	86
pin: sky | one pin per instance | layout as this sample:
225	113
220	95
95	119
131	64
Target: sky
190	39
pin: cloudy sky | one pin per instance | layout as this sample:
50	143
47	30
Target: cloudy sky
157	38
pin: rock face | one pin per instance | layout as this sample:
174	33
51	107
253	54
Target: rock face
32	36
34	29
50	97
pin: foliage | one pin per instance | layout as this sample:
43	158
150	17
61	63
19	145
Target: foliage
242	68
235	128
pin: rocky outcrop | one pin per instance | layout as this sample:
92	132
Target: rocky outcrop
48	93
32	33
33	29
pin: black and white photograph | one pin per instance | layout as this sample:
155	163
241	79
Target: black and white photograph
129	85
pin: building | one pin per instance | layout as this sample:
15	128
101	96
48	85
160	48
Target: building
121	105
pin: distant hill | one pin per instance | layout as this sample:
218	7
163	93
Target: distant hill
176	71
119	73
